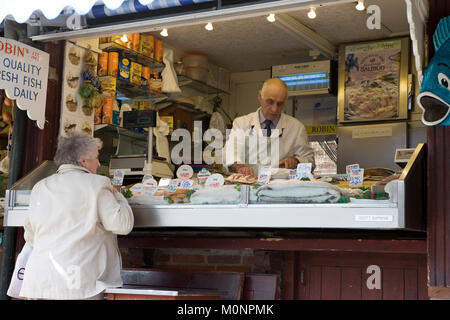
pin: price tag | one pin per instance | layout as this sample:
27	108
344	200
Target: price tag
186	184
138	190
173	185
202	176
147	177
215	180
349	168
149	190
303	170
356	178
292	174
185	172
164	182
264	175
118	177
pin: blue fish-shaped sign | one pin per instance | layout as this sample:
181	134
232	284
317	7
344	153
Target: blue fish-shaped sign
434	96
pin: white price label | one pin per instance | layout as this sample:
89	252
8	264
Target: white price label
164	182
356	178
185	172
303	170
149	190
215	180
137	190
186	184
173	185
292	174
118	177
351	167
202	176
264	175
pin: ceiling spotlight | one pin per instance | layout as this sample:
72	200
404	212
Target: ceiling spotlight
360	6
164	33
209	26
124	38
271	17
312	13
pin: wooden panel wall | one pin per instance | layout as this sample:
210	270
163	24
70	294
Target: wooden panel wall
438	208
41	144
343	276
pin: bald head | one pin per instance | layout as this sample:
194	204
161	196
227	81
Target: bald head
274	84
272	98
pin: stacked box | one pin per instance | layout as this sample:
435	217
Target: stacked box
124	68
135	73
146	45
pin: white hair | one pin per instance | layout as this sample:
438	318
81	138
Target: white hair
76	145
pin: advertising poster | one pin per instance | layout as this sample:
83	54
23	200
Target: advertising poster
372	77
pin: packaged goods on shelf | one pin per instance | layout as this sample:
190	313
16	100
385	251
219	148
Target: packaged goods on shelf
145	77
135	42
102	68
124	68
135	73
118	40
108	83
158	57
115	113
98	115
113	63
107	111
146	105
129	43
146	45
104	40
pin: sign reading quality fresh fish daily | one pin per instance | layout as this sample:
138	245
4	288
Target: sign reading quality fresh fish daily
24	76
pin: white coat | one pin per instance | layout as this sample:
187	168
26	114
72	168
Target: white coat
73	221
293	140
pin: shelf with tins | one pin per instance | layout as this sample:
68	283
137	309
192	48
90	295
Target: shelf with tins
129	90
114	129
155	66
198	85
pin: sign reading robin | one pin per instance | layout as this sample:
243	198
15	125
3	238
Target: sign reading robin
24	76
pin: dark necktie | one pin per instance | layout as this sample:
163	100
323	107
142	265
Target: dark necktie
267	124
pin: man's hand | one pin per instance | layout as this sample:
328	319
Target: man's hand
241	168
288	163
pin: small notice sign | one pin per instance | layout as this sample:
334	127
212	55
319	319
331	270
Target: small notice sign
264	175
118	177
215	180
356	178
173	185
303	170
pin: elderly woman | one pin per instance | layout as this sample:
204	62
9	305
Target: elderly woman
72	225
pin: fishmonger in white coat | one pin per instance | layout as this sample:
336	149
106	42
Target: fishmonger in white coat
293	147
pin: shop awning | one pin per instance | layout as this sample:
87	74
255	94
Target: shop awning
133	6
21	10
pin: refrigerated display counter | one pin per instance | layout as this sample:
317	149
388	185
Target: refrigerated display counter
405	208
